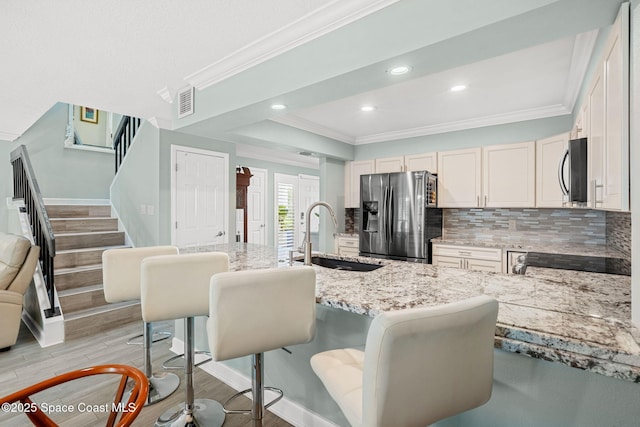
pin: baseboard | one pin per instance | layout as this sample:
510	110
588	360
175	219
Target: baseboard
290	411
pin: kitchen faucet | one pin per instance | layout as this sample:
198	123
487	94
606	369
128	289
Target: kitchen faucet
307	236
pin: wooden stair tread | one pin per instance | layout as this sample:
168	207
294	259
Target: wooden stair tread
102	248
83	232
99	310
69	270
87	233
76	291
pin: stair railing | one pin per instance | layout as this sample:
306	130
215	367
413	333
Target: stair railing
25	187
123	137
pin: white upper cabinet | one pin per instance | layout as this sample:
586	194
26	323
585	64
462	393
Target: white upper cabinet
495	176
459	178
608	120
352	173
508	175
421	162
408	163
616	137
549	151
390	164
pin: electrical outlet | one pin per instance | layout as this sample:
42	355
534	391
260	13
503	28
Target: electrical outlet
150	210
143	209
512	224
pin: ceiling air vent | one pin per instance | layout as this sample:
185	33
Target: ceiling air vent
185	102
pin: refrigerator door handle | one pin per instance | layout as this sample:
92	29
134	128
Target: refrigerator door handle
391	214
385	215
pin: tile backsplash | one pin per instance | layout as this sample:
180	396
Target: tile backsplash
547	226
531	226
619	231
352	220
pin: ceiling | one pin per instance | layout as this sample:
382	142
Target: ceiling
519	60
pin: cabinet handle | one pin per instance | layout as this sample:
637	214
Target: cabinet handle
594	192
460	263
478	201
485	200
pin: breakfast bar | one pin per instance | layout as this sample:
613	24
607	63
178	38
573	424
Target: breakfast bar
571	319
579	319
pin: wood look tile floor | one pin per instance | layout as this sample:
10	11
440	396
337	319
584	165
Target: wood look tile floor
27	363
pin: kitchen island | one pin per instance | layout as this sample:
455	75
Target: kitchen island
578	319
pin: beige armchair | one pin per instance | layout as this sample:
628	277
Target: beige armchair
18	260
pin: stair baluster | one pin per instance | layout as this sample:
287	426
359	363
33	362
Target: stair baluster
25	187
123	138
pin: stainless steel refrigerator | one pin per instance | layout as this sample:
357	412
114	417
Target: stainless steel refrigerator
398	215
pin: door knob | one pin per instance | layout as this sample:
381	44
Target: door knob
220	233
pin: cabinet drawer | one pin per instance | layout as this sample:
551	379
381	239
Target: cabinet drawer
348	251
489	254
447	261
348	242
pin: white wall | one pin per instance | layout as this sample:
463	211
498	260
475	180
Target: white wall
634	155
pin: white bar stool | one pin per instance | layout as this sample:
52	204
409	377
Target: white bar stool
419	365
175	287
256	311
121	282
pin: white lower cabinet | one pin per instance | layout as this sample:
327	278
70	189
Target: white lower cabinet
348	246
468	257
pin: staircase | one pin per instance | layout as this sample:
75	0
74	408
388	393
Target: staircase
82	233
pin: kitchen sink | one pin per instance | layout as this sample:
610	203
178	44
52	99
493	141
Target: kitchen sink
340	264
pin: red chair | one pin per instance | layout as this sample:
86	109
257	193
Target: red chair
129	410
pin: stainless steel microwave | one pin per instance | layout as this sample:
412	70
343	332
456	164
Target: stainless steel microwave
572	173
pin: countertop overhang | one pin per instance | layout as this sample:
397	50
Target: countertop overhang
580	319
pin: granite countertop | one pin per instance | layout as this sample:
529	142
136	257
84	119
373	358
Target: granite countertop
551	248
579	319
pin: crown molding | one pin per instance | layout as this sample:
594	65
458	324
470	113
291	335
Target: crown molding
498	119
580	57
7	136
335	14
306	125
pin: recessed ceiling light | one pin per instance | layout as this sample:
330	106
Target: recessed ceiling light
457	88
399	70
278	107
367	108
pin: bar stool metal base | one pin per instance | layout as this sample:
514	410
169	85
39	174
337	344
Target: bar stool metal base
161	386
206	413
157	337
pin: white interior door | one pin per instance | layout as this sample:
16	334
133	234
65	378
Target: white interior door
200	196
257	207
309	193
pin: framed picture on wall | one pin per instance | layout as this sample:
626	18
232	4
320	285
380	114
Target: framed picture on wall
88	114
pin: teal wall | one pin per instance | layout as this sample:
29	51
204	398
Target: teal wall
65	172
61	172
331	191
137	185
479	137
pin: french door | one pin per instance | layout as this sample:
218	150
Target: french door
293	195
